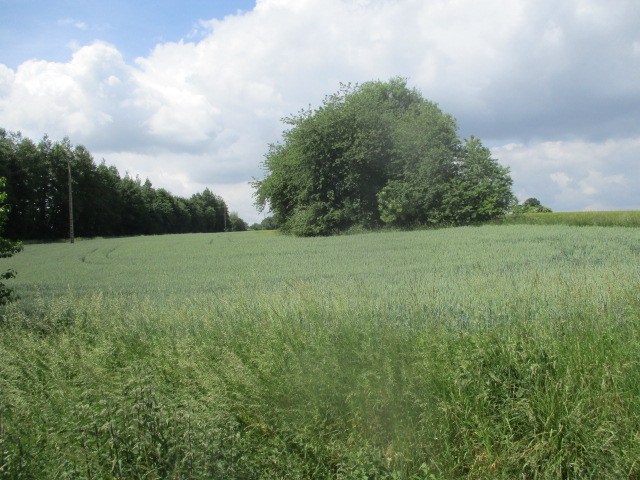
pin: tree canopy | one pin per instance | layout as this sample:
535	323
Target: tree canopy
104	203
531	205
8	248
267	223
376	154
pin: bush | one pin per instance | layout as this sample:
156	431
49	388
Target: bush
8	248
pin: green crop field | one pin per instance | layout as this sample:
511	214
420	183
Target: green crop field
623	218
486	352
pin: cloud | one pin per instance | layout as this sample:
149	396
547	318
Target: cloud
576	175
561	179
551	86
70	22
77	98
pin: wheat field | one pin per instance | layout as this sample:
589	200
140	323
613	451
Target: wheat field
479	352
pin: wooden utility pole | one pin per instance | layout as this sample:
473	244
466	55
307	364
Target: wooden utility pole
71	237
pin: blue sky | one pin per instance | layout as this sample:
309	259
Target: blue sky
190	94
46	29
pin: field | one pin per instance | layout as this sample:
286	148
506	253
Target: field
480	352
629	218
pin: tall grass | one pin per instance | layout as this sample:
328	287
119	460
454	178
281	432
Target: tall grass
491	352
577	219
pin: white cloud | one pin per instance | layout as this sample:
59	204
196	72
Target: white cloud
561	179
70	22
551	86
597	182
77	98
7	79
575	175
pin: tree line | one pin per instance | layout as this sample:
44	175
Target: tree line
379	154
104	202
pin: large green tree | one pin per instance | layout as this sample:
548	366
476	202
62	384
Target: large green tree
374	154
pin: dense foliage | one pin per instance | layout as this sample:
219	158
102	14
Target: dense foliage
236	224
531	205
267	223
375	154
104	203
8	248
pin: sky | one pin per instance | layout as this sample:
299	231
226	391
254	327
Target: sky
190	94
